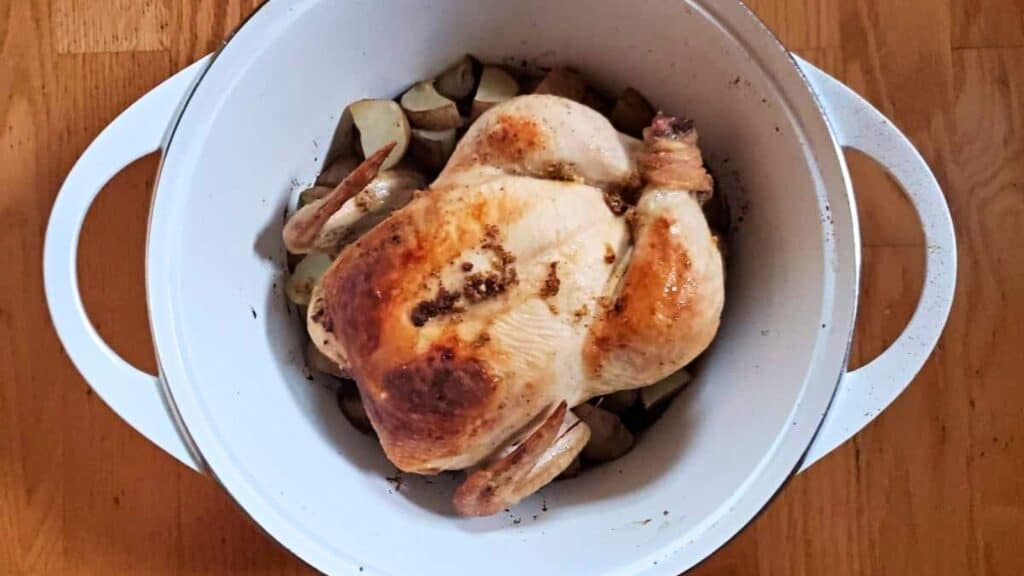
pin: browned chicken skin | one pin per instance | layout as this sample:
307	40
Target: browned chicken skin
513	289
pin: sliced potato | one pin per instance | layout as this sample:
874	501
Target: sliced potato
458	81
306	276
619	402
316	360
632	113
426	108
660	392
432	148
563	82
313	194
337	171
496	86
351	405
609	437
381	122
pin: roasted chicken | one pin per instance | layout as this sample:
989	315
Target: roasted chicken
553	260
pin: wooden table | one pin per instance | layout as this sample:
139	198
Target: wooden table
934	486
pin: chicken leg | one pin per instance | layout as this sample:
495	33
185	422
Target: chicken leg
666	306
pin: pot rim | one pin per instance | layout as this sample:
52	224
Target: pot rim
843	302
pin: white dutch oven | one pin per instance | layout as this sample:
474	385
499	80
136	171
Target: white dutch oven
241	132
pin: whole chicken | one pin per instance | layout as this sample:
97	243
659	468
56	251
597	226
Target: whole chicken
553	260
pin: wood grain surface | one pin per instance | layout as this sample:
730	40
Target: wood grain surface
934	486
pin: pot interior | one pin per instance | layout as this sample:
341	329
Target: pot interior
257	131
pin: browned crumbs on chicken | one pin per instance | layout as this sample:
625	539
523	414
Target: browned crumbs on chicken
609	254
321	317
467	266
504	257
551	284
362	201
482	340
440	305
616	203
562	171
484	285
581	313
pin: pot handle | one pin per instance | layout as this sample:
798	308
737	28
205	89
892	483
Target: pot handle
865	392
135	396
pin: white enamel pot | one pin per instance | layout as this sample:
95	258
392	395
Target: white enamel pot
241	132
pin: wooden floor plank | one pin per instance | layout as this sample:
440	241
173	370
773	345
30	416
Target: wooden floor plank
988	23
32	365
86	26
989	323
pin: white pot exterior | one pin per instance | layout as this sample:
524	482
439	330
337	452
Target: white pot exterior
256	130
